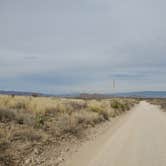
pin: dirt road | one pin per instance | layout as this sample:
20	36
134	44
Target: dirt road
138	139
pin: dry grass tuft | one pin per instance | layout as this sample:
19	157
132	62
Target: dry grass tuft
6	115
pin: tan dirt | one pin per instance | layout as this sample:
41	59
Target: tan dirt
137	139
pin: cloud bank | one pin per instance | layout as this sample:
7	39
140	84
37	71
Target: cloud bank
81	46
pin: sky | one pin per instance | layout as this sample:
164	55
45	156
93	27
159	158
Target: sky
81	46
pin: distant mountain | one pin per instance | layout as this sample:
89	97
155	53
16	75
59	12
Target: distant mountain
141	94
94	96
24	93
144	94
21	93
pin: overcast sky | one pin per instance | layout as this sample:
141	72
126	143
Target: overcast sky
66	46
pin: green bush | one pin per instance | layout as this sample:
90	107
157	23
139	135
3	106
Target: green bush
115	104
95	108
100	110
39	120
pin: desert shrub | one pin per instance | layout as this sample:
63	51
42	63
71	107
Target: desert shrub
61	108
35	95
65	107
25	118
122	107
4	144
127	106
68	124
100	110
163	105
39	120
6	115
78	105
98	119
119	105
20	117
88	118
113	114
105	115
6	160
13	95
76	122
73	123
115	104
27	135
20	105
4	101
51	111
95	108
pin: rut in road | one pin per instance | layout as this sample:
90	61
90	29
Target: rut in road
139	141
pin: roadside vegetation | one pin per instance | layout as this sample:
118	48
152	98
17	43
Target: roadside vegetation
161	102
28	125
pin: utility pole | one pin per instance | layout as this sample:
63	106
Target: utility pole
113	86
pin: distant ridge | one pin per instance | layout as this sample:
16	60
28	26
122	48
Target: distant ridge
144	94
25	93
141	94
21	93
